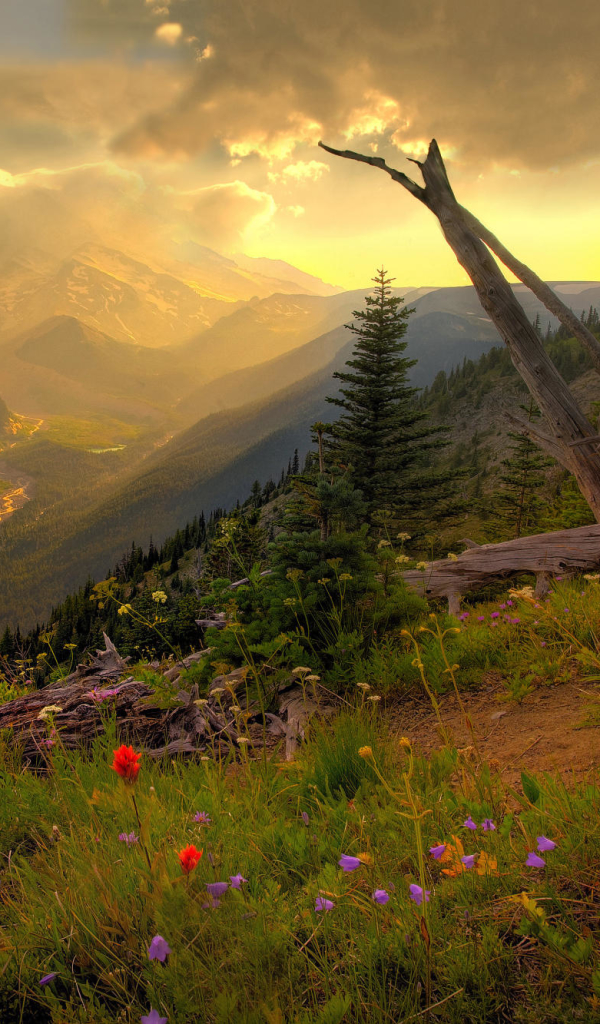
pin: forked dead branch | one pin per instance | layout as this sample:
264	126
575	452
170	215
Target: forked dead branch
569	436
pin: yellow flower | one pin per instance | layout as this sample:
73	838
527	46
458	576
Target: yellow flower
48	710
345	576
452	557
384	544
365	752
405	742
159	597
421	565
313	679
403	536
592	576
301	670
401	558
124	609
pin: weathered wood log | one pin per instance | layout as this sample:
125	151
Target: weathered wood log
563	553
69	713
564	420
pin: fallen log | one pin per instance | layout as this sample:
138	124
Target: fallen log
163	721
563	553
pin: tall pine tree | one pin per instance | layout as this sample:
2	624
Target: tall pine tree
381	433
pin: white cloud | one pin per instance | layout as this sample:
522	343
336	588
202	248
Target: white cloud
300	173
170	32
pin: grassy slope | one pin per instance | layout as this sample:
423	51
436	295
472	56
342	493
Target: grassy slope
497	942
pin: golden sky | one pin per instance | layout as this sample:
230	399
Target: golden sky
147	123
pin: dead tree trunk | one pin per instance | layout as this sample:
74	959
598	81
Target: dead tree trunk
566	552
571	439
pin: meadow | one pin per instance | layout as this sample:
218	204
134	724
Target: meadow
361	882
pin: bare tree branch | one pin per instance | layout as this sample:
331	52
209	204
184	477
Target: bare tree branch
562	415
539	288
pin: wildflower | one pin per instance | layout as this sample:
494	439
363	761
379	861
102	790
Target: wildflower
235	708
469	823
365	752
313	678
544	845
533	861
437	851
236	881
502	606
217	888
202	818
593	576
153	1018
452	557
481	618
301	670
48	743
543	643
384	544
125	609
349	863
305	818
363	686
416	894
514	621
463	616
323	904
374	698
98	695
217	689
241	740
405	742
565	609
129	839
159	597
346	576
469	860
48	978
324	581
488	825
380	896
50	709
200	703
401	559
125	763
159	949
494	615
422	566
403	536
189	858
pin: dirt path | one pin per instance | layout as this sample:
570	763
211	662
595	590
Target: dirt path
542	733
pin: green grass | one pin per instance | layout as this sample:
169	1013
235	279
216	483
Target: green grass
78	902
87	434
501	942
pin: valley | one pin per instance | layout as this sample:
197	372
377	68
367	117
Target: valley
110	435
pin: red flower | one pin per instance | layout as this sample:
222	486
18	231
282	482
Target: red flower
125	763
189	858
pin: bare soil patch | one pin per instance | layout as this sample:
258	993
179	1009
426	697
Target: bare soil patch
542	733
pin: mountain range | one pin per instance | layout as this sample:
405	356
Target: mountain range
161	391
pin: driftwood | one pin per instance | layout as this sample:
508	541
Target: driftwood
566	424
70	713
546	555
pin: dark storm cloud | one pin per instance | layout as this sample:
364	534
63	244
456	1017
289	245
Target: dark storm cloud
512	83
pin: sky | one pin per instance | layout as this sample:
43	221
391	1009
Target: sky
150	123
